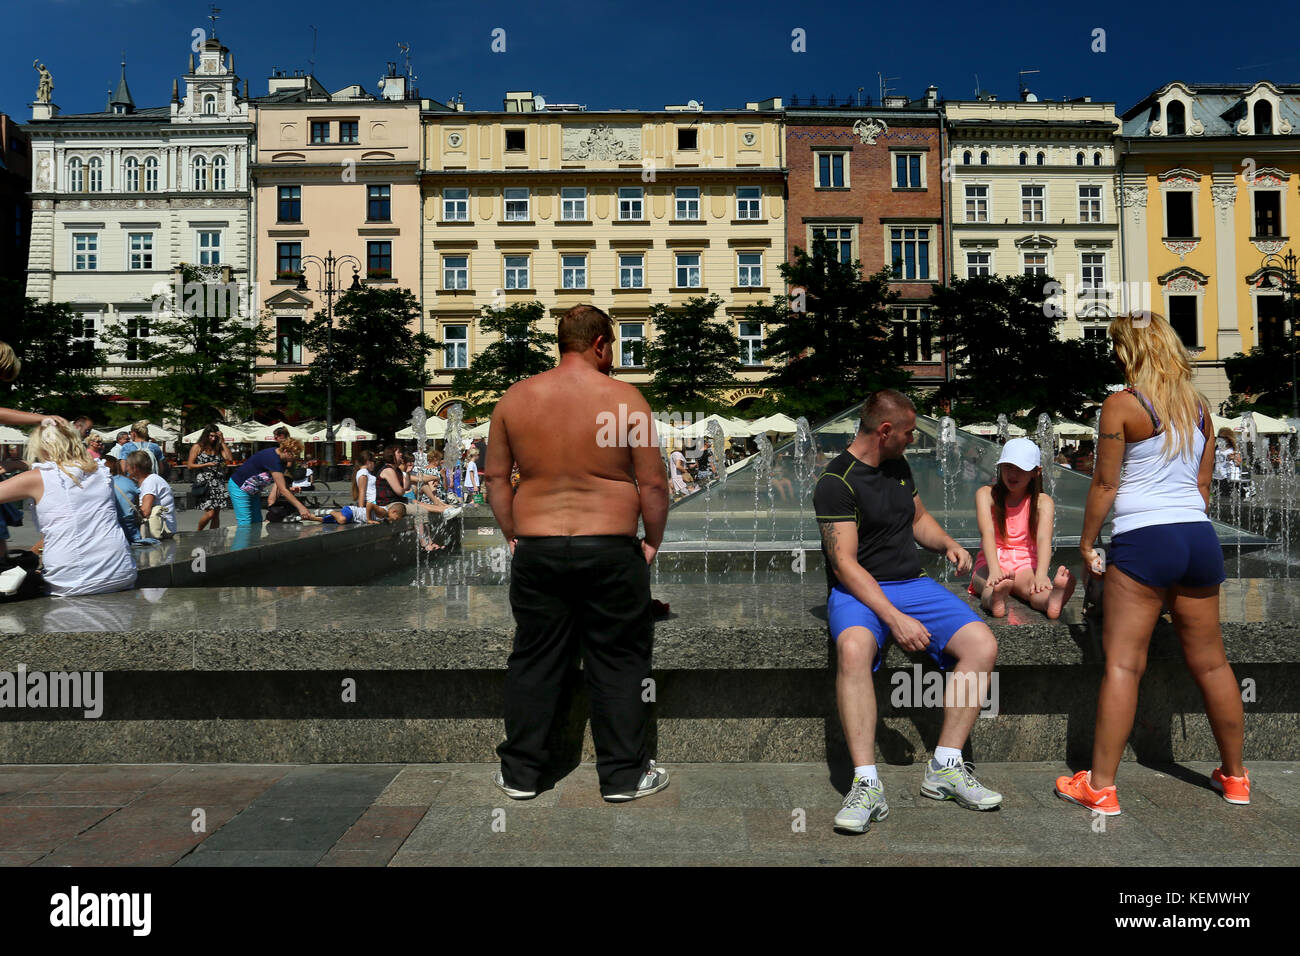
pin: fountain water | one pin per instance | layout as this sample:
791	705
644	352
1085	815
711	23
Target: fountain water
805	480
451	446
1004	430
1046	440
421	463
715	443
948	459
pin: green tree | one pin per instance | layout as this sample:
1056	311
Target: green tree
519	351
58	365
692	357
1006	355
379	363
830	339
201	346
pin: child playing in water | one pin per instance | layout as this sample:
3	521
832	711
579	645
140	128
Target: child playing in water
1015	521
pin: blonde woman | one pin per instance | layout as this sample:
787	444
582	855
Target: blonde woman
1155	457
260	471
85	549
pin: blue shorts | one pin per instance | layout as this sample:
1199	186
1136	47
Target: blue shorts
349	513
1187	554
942	612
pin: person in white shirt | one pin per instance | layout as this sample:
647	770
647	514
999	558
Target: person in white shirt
157	503
677	472
471	482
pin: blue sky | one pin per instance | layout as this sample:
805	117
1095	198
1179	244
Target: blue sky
604	53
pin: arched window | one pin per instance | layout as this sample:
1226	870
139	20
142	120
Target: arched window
76	176
1096	159
965	158
1038	160
131	175
1078	159
219	172
151	174
95	175
1263	118
984	159
210	104
1177	114
1024	159
200	173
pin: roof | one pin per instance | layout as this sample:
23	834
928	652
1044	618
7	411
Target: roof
1217	106
122	95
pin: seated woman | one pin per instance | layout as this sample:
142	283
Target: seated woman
157	503
126	495
85	550
262	470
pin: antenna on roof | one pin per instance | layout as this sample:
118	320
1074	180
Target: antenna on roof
883	87
1020	82
977	86
406	64
311	64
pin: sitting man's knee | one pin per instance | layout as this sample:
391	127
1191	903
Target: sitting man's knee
855	651
978	647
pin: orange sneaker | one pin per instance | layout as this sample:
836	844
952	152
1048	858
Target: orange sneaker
1234	789
1078	789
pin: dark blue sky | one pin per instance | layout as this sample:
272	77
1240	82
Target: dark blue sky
604	53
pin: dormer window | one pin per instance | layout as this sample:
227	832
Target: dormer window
1263	118
1177	114
210	104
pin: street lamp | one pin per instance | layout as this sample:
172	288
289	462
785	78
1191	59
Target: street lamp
329	272
1287	266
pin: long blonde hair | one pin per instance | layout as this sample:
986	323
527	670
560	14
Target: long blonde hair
1155	362
61	444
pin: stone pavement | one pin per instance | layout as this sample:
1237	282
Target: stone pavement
712	814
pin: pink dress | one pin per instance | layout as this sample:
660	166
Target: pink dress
1017	550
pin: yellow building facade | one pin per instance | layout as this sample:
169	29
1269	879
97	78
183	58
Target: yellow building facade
1209	189
622	209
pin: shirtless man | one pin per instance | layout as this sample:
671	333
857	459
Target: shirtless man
589	466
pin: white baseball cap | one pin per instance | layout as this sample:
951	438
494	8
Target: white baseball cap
1021	452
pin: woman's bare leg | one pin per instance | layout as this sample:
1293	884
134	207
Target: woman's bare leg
1196	618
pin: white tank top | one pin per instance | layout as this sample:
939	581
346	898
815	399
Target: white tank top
85	549
1155	491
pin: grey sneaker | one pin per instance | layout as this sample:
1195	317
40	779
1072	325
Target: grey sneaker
652	781
510	791
959	783
861	806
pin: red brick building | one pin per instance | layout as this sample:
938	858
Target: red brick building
869	179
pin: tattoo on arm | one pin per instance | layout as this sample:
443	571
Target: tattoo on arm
829	537
1117	435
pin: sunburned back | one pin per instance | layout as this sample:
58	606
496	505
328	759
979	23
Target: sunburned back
571	483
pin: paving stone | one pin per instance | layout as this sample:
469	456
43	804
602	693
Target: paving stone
328	786
19	857
17	780
205	857
44	828
414	787
1279	782
305	827
71	798
167	819
112	777
124	847
380	828
658	831
473	787
520	828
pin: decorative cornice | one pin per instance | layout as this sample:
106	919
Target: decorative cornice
1181	176
1181	247
1133	196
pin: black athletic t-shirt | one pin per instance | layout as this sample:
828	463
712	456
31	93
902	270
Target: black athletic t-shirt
879	501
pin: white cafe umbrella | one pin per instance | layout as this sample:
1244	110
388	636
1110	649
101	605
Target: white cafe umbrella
478	431
267	432
1264	424
344	433
990	429
229	432
782	424
434	427
1066	429
12	436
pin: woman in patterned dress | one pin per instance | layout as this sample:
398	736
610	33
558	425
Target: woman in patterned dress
207	456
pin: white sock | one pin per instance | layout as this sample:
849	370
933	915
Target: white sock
947	756
867	773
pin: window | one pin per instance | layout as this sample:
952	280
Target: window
830	170
629	202
455	272
984	159
379	259
977	203
749	271
977	264
455	346
200	173
85	250
379	203
1179	221
1089	204
1263	118
288	260
1039	159
320	132
1093	285
76	176
137	330
1271	326
515	140
913	337
1031	203
907	171
131	175
749	201
139	250
631	271
95	176
751	343
1095	333
289	204
1078	159
516	198
219	172
288	340
688	139
455	204
1268	213
909	250
83	342
688	202
516	272
151	175
1024	159
1182	316
1177	119
348	132
1096	159
631	344
688	270
965	158
573	271
209	244
1035	263
573	203
840	239
210	105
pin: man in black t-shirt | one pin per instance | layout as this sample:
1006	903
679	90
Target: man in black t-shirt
871	521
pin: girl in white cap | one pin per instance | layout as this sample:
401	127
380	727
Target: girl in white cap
1015	521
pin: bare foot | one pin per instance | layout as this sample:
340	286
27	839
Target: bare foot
1062	588
998	606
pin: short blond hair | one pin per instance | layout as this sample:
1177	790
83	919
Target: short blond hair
10	363
141	428
292	445
61	444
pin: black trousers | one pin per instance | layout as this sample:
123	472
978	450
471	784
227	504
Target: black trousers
592	594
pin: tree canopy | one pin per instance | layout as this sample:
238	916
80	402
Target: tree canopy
519	351
692	358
